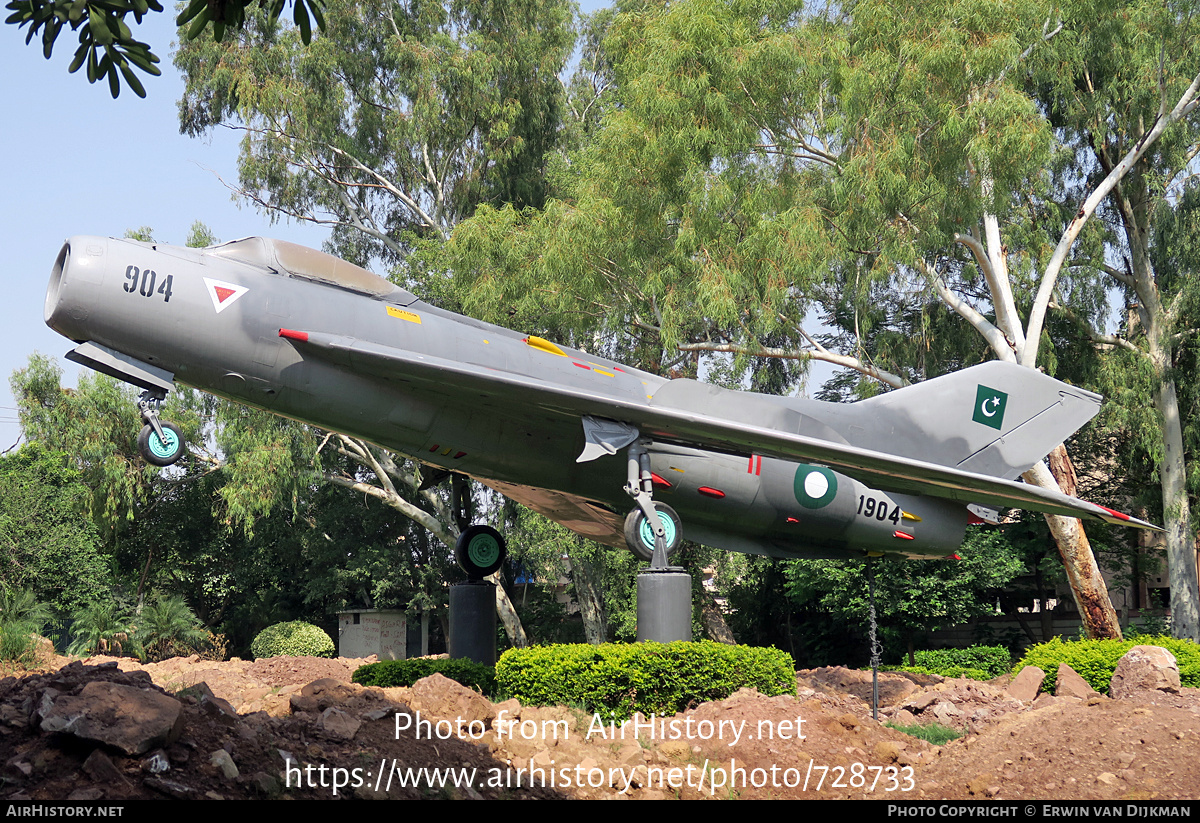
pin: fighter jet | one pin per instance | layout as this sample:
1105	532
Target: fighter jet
311	337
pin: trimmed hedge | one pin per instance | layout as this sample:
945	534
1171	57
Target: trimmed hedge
619	679
294	639
391	673
1096	660
991	661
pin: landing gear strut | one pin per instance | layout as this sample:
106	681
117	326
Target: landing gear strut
160	442
653	531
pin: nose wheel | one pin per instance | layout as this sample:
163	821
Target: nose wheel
160	443
161	449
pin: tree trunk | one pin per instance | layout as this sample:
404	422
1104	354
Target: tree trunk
1181	551
590	599
714	621
1087	585
508	615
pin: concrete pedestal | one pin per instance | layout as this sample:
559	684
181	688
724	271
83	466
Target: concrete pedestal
473	621
664	605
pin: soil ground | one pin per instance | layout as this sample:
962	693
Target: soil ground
822	743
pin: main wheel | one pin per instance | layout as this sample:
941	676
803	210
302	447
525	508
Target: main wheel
639	535
161	451
480	550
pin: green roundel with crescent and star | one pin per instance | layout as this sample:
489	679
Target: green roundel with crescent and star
814	486
989	407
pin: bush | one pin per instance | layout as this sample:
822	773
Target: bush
1096	660
950	671
390	673
294	639
22	617
618	679
989	661
167	627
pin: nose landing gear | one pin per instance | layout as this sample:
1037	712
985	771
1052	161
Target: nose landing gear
160	442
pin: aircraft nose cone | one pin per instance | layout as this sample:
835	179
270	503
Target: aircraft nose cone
80	262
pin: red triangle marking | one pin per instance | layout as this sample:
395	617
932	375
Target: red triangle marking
223	293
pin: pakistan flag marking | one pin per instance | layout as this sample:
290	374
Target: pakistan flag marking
989	407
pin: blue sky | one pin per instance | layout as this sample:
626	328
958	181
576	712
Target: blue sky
80	162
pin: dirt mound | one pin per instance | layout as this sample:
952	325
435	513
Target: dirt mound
296	727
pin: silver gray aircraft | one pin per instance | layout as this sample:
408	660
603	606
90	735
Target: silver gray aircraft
314	338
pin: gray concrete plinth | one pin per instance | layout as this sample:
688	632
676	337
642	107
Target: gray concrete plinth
473	621
664	605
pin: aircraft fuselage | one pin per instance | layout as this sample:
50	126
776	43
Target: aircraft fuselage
242	321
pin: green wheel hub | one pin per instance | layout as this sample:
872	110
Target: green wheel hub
166	446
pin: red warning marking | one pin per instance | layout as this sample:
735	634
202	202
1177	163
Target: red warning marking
580	365
792	520
223	293
903	536
291	334
755	465
1114	513
436	446
460	454
709	491
658	481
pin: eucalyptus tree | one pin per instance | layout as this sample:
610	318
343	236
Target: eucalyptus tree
392	126
107	45
767	162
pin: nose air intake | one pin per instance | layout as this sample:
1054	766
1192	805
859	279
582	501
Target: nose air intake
54	290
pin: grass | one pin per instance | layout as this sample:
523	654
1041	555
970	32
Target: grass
934	733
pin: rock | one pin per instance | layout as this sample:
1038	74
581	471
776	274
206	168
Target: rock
102	770
224	763
1026	684
328	692
1145	668
338	724
440	696
127	718
1069	684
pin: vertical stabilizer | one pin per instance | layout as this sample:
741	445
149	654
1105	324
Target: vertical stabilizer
997	418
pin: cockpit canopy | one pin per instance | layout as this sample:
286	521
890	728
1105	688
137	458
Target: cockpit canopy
310	264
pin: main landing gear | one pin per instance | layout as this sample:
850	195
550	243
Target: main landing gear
653	531
480	550
160	442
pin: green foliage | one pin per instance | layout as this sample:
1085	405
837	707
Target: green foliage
911	595
166	627
22	617
292	639
389	673
104	627
396	122
107	45
47	543
934	733
653	678
946	671
1096	660
989	661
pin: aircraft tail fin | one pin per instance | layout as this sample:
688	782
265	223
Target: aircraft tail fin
997	419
